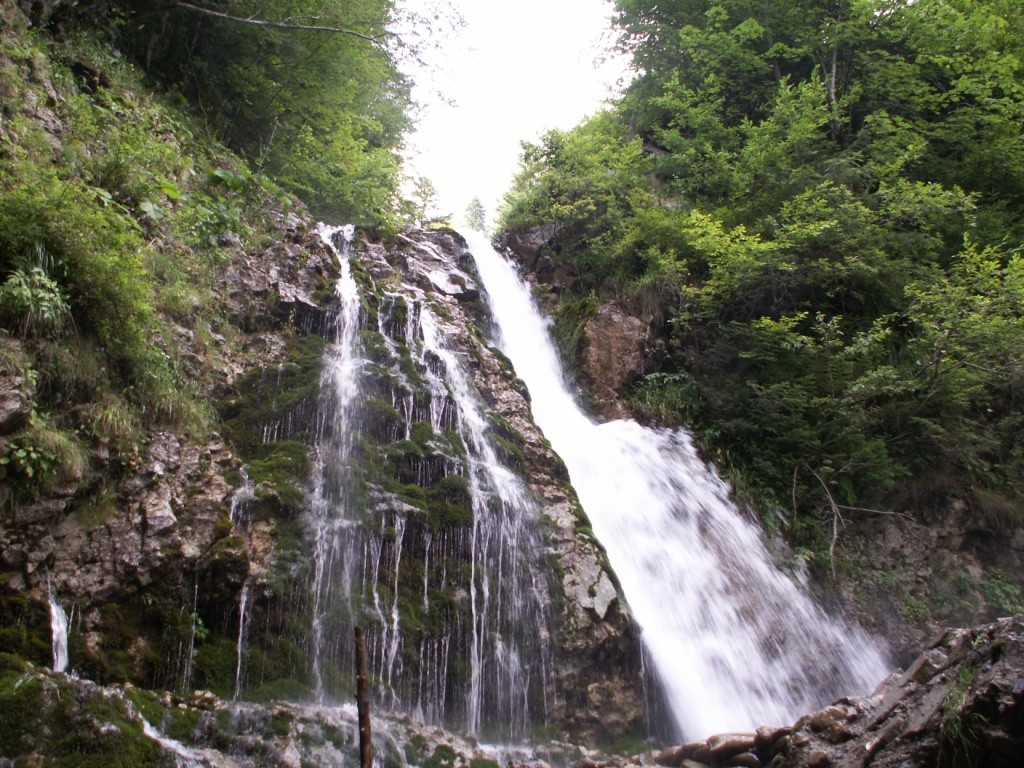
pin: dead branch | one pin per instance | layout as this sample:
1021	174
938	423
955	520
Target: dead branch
837	519
282	24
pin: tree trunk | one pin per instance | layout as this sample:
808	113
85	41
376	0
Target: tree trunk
363	703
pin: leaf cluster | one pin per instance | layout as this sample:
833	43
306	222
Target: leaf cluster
819	206
106	235
321	112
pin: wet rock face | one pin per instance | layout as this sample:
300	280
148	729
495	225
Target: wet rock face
139	540
534	249
598	650
936	563
612	357
143	549
597	686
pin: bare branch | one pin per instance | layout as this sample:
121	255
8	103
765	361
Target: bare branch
875	511
837	519
282	24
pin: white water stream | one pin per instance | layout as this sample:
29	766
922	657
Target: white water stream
734	642
339	386
59	634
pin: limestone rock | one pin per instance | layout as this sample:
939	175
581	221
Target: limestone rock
613	356
969	711
15	391
535	249
598	677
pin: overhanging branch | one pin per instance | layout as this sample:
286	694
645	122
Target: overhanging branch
281	24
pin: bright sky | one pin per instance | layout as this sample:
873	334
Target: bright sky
516	69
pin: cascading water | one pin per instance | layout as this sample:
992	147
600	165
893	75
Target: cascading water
420	533
734	642
331	474
243	496
59	634
506	595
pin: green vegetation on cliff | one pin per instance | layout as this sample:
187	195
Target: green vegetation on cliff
148	152
120	207
820	204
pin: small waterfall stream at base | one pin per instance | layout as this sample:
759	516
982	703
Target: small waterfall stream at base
59	634
733	641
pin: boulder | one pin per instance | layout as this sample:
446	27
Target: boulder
536	251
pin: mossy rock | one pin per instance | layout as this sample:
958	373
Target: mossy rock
381	420
279	471
274	394
450	503
25	629
214	665
570	322
443	757
71	725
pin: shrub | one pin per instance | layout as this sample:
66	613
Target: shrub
32	302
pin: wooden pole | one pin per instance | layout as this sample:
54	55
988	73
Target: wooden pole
363	703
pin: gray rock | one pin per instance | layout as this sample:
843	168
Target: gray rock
613	356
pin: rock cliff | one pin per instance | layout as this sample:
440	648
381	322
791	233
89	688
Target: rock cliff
153	569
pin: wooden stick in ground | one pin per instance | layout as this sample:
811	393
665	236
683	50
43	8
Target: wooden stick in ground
363	703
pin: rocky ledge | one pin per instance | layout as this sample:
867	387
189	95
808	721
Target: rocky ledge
960	704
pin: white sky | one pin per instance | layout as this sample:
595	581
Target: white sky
516	69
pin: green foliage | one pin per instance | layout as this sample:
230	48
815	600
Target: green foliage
42	457
821	205
958	730
115	423
1002	594
33	300
476	215
323	113
586	180
76	234
914	610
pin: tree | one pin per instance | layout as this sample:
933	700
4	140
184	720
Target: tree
823	201
476	215
290	25
424	197
308	90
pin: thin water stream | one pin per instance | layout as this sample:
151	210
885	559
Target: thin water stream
59	634
734	641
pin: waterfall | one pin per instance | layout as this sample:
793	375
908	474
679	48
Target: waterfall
733	641
329	510
506	592
243	604
420	532
59	634
243	496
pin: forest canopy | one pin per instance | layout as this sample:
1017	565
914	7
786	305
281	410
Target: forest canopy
309	91
819	203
